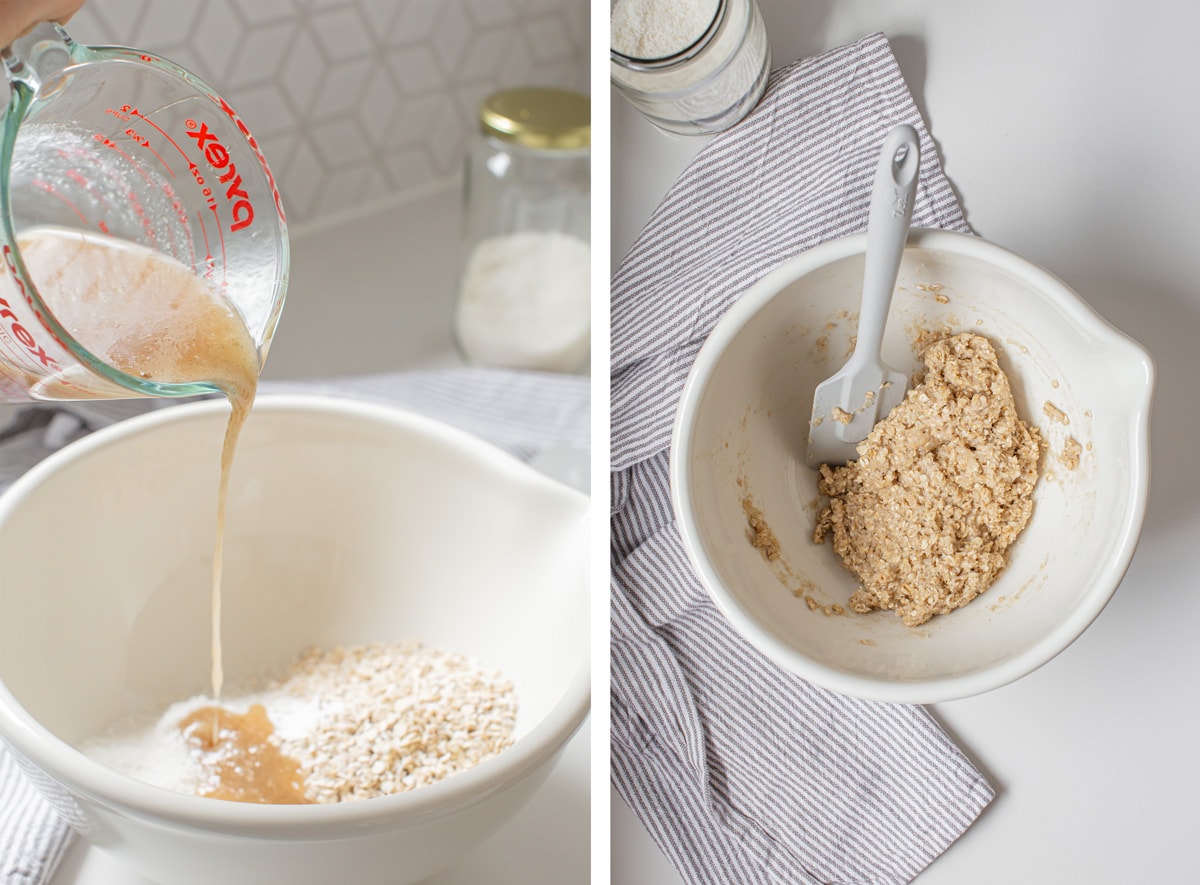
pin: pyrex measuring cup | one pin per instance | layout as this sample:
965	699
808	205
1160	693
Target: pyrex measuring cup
110	142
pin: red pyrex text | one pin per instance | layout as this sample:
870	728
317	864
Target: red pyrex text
23	335
217	156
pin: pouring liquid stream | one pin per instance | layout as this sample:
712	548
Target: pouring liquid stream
150	317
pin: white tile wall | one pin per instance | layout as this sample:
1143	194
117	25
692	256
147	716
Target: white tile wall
355	101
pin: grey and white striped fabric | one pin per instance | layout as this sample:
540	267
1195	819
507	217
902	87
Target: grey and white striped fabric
540	418
33	837
742	772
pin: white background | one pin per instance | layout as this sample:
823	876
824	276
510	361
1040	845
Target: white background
1071	133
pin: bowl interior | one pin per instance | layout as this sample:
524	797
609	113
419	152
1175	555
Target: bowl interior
346	524
742	432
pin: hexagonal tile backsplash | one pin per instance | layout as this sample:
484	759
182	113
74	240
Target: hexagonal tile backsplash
355	102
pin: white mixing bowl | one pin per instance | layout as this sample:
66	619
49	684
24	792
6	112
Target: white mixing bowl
741	429
348	523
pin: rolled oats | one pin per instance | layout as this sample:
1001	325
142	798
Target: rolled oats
941	488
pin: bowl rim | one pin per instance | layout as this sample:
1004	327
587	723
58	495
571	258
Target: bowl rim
80	775
929	689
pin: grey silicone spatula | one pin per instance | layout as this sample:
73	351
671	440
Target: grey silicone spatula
847	405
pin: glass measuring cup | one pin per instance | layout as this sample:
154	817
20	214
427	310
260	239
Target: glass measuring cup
115	146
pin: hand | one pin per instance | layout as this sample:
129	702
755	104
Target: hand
18	16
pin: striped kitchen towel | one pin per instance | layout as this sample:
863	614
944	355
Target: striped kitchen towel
741	771
543	419
33	838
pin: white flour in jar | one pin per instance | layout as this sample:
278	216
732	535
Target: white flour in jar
704	91
652	29
526	302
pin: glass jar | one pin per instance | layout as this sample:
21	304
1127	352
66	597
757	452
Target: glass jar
685	71
524	295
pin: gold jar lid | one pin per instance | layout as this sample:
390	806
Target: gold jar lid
547	119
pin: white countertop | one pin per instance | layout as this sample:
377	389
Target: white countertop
375	293
1069	130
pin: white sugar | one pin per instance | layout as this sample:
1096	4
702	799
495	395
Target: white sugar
154	752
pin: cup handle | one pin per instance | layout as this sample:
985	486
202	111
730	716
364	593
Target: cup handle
37	55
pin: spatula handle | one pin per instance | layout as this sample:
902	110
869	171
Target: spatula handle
887	229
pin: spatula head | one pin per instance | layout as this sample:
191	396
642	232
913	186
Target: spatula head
846	407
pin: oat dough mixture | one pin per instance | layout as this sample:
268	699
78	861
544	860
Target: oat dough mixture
941	487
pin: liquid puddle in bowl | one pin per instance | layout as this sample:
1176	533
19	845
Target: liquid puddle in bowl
247	765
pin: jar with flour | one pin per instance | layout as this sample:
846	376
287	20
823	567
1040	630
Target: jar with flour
691	67
524	298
